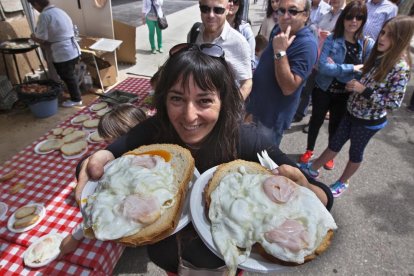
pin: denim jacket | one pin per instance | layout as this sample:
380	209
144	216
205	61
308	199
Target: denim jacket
335	48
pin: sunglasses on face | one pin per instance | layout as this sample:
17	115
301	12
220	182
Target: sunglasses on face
216	10
359	17
292	12
209	49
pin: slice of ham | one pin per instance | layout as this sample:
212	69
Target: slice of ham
290	235
279	189
139	208
145	161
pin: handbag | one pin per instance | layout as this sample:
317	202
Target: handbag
162	20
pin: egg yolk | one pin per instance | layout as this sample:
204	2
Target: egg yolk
163	153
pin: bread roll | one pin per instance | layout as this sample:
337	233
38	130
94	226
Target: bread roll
74	136
57	131
53	144
80	118
68	131
24	211
99	106
25	221
91	123
94	137
102	112
74	148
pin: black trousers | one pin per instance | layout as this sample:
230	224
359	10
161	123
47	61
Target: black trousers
66	71
322	102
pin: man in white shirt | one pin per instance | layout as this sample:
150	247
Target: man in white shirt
215	29
318	9
54	32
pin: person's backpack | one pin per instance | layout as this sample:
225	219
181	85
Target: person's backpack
195	30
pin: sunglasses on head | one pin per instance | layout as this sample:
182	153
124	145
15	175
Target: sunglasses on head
292	12
216	10
212	50
358	17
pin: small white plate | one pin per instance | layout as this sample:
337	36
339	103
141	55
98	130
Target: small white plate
37	147
80	123
3	210
52	251
79	155
255	262
91	108
41	211
185	218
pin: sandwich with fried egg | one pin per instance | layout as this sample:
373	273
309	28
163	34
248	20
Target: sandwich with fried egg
139	198
251	208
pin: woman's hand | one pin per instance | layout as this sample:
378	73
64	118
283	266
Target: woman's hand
92	168
355	86
330	60
68	245
299	178
358	68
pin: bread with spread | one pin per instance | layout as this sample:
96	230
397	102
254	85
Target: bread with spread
250	207
140	196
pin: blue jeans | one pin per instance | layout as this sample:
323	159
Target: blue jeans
153	27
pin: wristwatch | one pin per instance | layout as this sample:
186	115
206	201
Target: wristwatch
279	55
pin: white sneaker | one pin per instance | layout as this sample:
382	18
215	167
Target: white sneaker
70	103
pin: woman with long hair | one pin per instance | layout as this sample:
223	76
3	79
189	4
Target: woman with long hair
382	87
270	19
341	60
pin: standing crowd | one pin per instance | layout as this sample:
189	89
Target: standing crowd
228	93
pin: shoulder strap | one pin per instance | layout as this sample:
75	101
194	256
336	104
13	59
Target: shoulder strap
195	30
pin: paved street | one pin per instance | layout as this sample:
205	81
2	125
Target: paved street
375	216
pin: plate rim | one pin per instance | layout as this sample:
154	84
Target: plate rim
39	239
198	214
36	148
12	219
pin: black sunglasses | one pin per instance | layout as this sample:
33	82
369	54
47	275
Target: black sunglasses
359	17
292	12
235	2
216	10
212	50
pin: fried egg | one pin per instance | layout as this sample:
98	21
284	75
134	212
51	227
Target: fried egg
288	220
45	250
134	191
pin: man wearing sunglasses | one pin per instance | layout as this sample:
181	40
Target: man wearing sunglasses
284	67
215	29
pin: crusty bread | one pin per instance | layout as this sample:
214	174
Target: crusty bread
93	123
74	136
255	168
99	106
68	131
183	165
24	211
74	148
52	144
57	131
80	118
26	221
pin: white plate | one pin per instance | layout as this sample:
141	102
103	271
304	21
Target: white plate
53	255
3	210
93	142
80	123
185	218
37	147
255	262
92	106
41	211
69	157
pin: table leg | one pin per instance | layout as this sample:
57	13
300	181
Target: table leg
17	68
99	75
5	65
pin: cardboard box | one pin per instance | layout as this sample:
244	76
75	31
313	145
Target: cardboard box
127	51
108	75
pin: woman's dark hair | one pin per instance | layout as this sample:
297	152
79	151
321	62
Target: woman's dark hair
42	3
354	8
239	15
269	9
209	73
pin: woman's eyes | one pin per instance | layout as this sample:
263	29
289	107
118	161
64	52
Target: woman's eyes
202	101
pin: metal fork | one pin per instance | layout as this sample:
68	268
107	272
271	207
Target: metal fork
266	161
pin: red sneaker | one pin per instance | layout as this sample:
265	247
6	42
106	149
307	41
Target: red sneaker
304	158
330	165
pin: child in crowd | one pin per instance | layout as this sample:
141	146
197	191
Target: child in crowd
385	76
119	121
112	125
261	43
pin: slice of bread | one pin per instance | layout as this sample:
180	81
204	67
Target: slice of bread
94	137
99	106
24	211
93	123
68	131
183	165
52	144
26	221
80	118
57	131
74	148
74	136
255	168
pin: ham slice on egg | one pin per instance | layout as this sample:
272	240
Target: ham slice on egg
279	189
290	235
140	208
